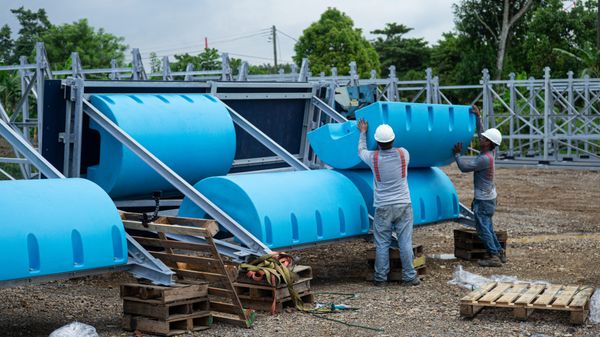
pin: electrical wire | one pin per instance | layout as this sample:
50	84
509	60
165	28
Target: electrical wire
286	35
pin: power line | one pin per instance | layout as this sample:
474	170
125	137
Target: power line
189	43
286	35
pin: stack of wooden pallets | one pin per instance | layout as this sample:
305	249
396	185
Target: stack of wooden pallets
468	246
194	262
165	311
524	298
261	296
419	262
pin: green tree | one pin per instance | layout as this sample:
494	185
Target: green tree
6	45
552	28
493	24
96	48
407	54
33	25
334	42
209	59
155	63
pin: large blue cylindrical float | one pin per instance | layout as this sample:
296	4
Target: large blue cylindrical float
432	194
285	209
55	226
427	131
193	134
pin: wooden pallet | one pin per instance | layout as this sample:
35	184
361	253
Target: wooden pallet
468	246
175	325
524	298
155	294
276	305
166	311
194	262
395	274
300	272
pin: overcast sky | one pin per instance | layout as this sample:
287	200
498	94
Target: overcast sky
239	27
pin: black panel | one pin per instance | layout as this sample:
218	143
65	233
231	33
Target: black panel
53	123
281	120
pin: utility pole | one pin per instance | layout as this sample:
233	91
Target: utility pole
275	45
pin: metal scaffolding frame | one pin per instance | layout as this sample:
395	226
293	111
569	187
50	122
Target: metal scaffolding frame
548	121
544	121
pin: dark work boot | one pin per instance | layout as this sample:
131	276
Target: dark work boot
414	282
379	283
493	261
502	256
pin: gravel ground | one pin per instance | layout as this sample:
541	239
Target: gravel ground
553	220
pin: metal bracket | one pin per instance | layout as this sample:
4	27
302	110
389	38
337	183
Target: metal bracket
466	216
143	265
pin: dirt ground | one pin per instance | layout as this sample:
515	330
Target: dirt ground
553	220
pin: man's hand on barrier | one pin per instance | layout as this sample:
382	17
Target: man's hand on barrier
475	110
363	125
457	148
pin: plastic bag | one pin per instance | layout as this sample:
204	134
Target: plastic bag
595	307
465	279
75	329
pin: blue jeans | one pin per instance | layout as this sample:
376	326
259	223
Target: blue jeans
483	211
397	217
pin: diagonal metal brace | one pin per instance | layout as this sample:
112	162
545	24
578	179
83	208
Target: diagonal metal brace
143	265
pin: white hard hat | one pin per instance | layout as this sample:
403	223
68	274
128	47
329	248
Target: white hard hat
493	135
384	134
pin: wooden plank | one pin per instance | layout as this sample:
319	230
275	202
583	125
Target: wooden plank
161	294
578	316
495	293
513	293
205	261
530	294
172	229
210	225
522	313
166	312
224	307
547	296
219	292
196	322
211	277
236	321
564	298
469	310
476	294
581	298
154	242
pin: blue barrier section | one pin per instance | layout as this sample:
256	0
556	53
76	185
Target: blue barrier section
432	193
193	134
56	226
288	208
427	131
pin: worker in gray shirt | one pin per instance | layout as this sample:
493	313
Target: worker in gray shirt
484	202
393	210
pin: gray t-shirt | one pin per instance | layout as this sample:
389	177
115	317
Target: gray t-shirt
389	173
483	169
